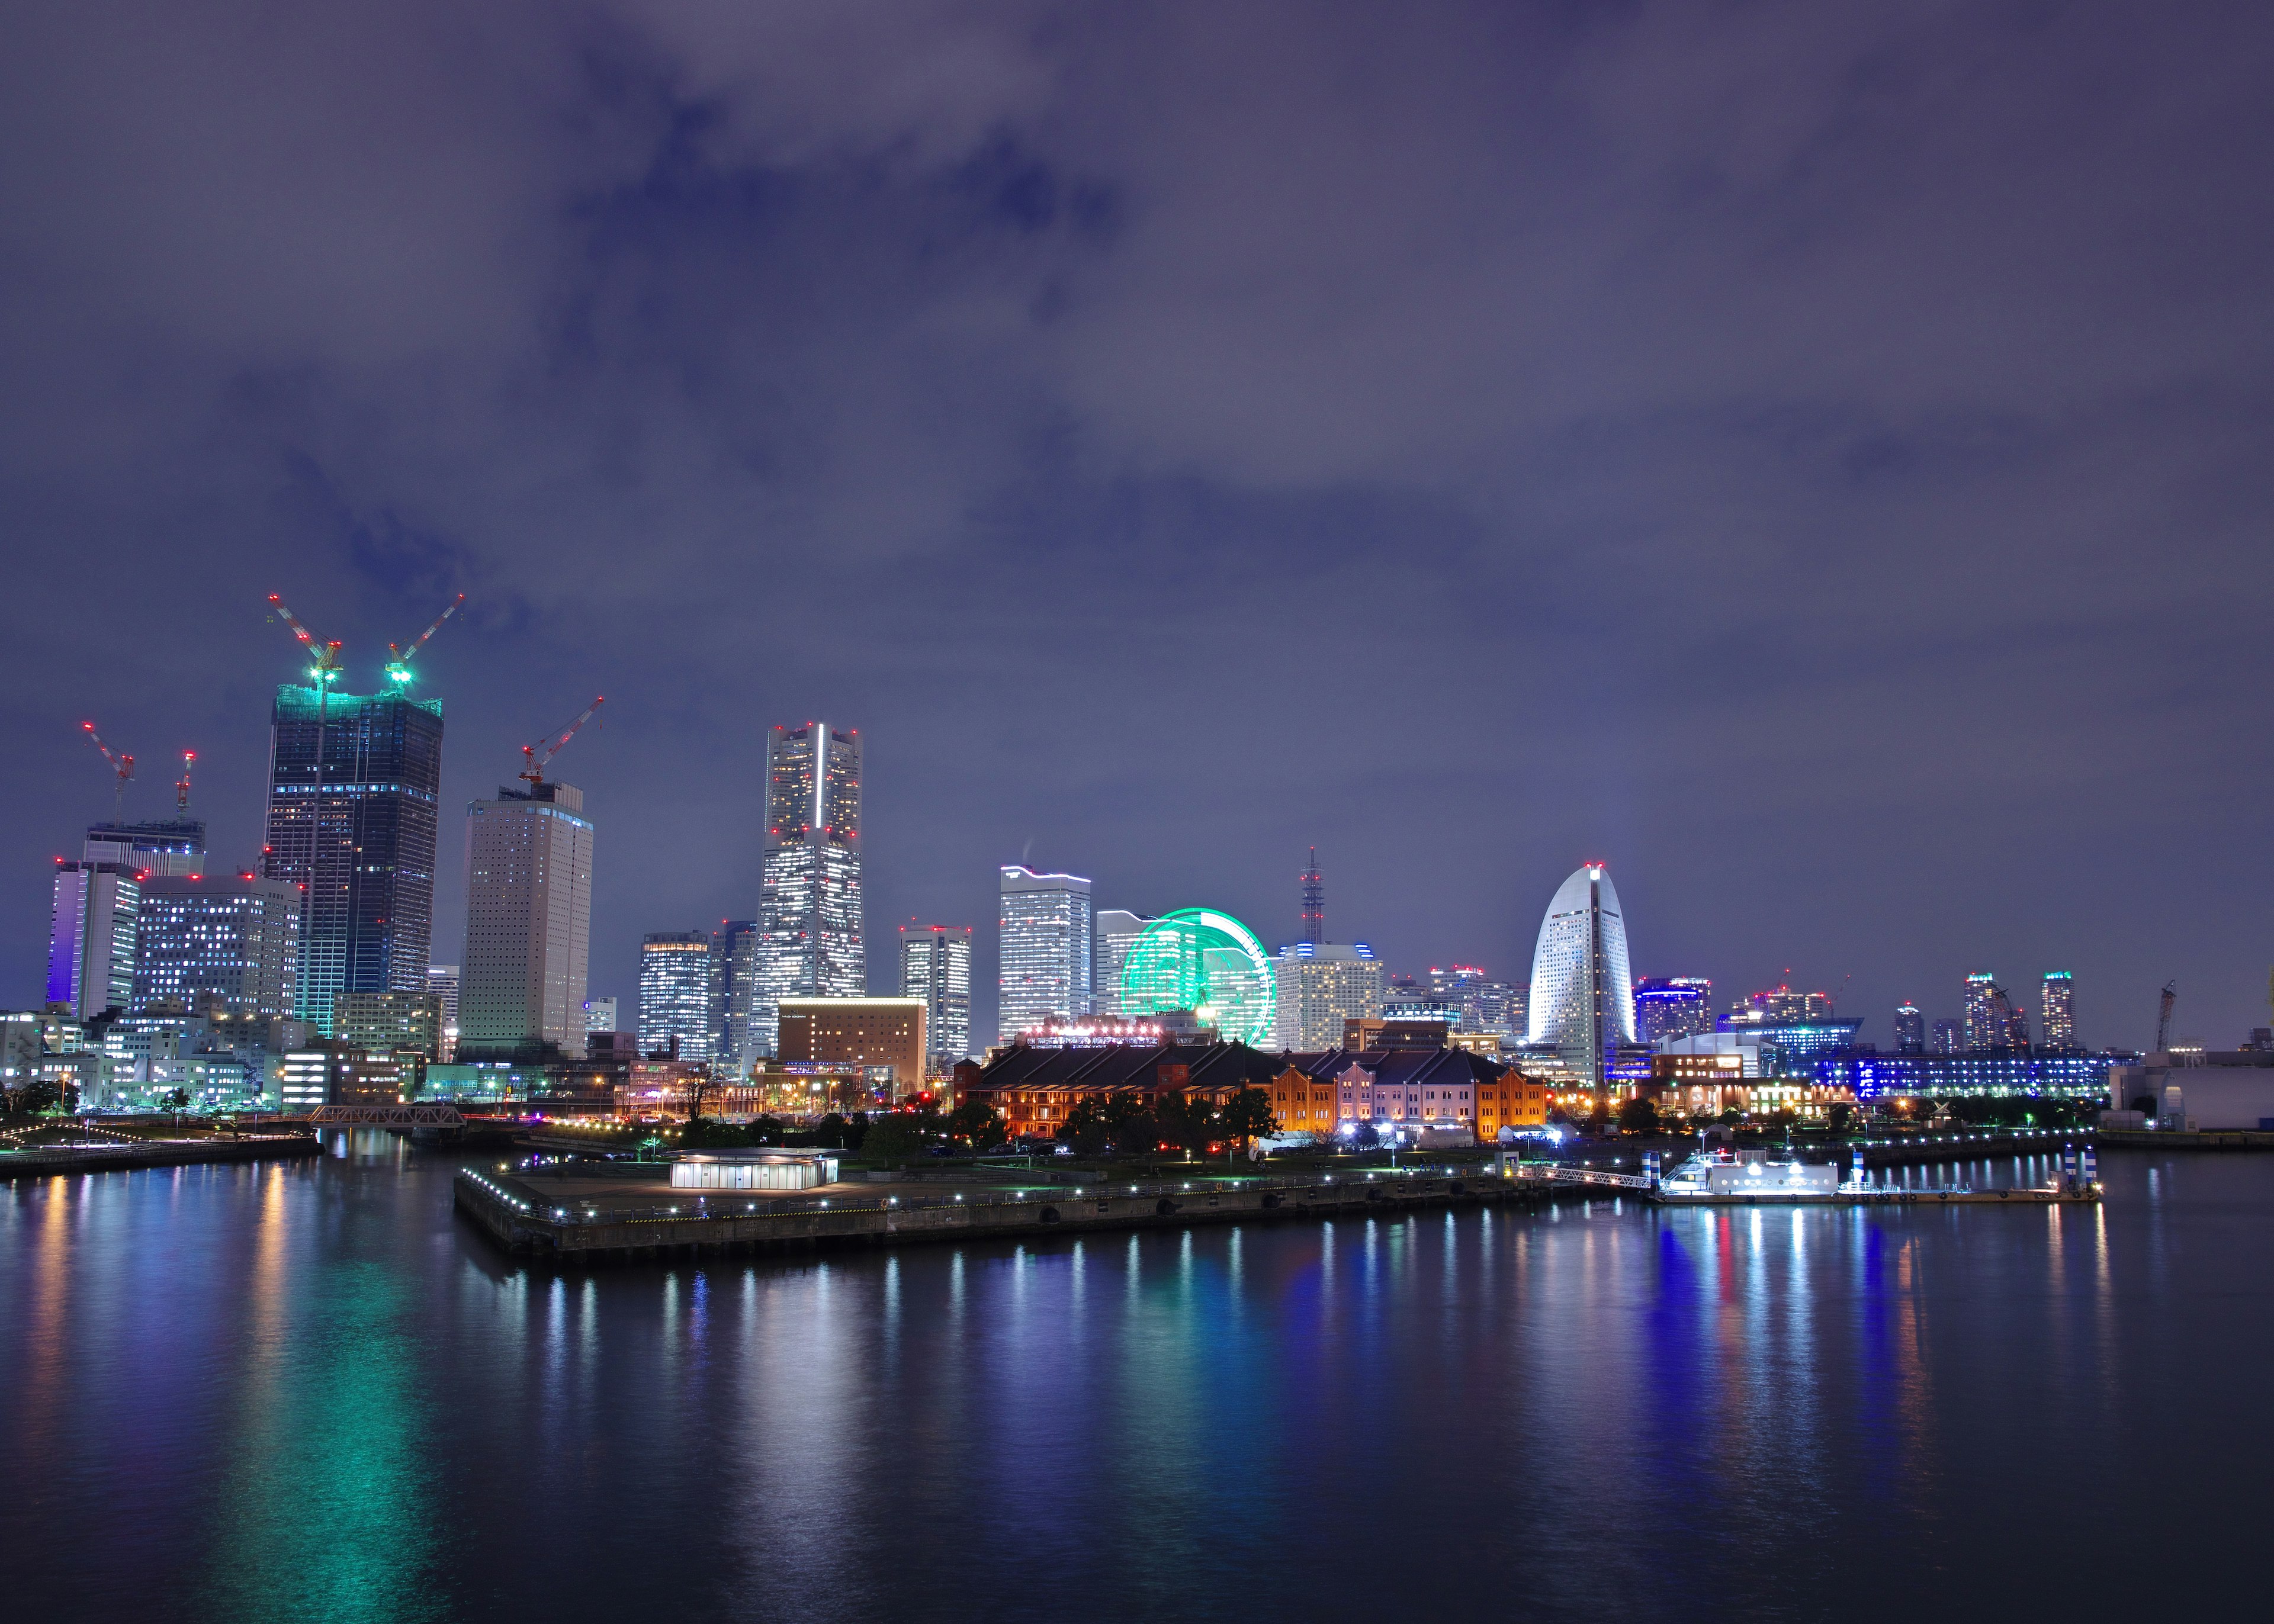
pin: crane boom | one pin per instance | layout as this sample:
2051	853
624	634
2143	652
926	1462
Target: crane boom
328	654
181	784
121	766
398	669
533	765
2164	1019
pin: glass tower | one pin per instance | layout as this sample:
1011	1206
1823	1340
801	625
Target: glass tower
935	966
1582	993
810	900
1046	939
91	943
674	993
1910	1030
1673	1006
733	981
353	786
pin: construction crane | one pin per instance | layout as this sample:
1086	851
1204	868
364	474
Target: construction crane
398	669
326	671
2164	1019
181	784
123	766
533	765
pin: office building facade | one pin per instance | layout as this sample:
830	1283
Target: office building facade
231	937
734	995
809	895
1046	939
874	1035
1672	1006
171	848
91	936
1582	1002
935	966
354	787
529	922
674	993
405	1023
1948	1038
1320	988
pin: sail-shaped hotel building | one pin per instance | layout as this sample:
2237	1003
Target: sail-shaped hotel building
1582	992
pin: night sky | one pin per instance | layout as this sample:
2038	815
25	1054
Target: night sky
1814	458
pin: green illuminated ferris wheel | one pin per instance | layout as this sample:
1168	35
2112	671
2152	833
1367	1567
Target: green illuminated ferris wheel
1209	963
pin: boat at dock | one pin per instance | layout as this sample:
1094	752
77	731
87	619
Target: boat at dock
1750	1177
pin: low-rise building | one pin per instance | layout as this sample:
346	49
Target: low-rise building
884	1036
2217	1090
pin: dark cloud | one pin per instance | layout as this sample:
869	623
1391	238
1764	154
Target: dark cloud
1814	458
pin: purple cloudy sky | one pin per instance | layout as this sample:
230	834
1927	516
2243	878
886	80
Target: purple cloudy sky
1815	457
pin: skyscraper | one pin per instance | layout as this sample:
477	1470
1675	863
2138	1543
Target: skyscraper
528	921
1486	1005
2057	1016
234	937
674	993
91	936
1673	1006
734	995
1314	902
1112	931
1320	986
1582	995
935	966
1045	948
1949	1038
353	789
810	941
1910	1030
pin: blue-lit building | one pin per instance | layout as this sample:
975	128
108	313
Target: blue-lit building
1672	1006
2054	1076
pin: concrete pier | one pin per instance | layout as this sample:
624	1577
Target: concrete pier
46	1163
521	1215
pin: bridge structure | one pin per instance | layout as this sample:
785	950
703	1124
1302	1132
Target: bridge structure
387	1116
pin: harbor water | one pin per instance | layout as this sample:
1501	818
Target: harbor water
310	1390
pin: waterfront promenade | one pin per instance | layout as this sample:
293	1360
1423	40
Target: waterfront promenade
46	1160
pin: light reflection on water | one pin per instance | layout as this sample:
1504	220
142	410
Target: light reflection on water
305	1390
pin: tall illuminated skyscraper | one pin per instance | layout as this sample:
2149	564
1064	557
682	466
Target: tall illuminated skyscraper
357	828
935	966
1046	942
734	993
528	921
91	939
230	937
1582	993
2057	1019
674	993
810	902
1993	1025
1910	1030
1320	986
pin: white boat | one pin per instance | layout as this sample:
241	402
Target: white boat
1722	1174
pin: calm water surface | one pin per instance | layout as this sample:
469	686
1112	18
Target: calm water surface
307	1391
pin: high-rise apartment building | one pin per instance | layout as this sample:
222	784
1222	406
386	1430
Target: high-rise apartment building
1486	1005
674	993
91	936
529	922
1045	942
734	995
1910	1030
935	966
354	785
810	899
1112	932
1319	987
233	937
1582	992
170	848
2057	1014
1782	1006
1949	1038
1993	1025
1673	1006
